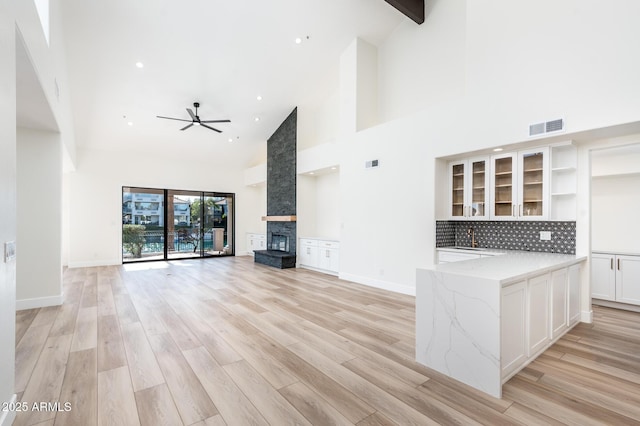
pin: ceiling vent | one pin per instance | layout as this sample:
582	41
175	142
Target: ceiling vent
552	126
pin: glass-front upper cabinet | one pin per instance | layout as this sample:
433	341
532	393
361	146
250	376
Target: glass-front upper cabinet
469	183
520	185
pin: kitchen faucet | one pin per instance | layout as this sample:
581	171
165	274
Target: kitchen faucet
471	233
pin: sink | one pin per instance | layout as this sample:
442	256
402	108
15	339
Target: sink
470	248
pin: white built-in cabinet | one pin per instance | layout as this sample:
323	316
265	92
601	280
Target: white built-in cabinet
256	242
520	185
615	277
533	184
469	184
535	313
319	254
538	313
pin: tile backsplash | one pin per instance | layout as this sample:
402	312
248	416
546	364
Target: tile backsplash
519	235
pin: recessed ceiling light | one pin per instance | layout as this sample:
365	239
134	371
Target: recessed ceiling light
139	65
311	173
259	97
257	119
333	168
130	123
497	149
230	139
298	40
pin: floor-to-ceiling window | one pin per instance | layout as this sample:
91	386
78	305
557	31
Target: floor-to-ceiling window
162	224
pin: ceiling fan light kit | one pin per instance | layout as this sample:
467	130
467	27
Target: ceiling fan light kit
195	119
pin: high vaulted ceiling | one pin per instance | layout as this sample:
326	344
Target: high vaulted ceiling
222	54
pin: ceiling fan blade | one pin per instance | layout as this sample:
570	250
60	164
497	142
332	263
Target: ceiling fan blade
171	118
209	127
193	116
216	121
187	126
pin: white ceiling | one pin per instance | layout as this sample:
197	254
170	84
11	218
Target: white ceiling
220	53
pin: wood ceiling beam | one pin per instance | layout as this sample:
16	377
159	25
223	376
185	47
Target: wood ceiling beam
414	9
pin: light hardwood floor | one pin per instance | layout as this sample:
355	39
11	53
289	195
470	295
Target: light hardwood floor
225	341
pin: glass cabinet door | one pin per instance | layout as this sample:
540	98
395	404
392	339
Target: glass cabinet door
532	202
457	178
478	189
532	185
503	186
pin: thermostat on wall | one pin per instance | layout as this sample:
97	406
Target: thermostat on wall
372	163
9	251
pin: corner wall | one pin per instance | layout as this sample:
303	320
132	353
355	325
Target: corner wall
39	219
7	204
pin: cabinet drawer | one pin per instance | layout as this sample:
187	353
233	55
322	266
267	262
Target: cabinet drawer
306	242
328	244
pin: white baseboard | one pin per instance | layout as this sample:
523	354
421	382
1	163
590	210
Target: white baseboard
7	417
92	263
384	285
586	316
616	305
39	302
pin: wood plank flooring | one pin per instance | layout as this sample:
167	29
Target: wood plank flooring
226	341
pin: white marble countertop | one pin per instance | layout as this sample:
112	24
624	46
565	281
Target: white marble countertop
624	253
510	267
321	238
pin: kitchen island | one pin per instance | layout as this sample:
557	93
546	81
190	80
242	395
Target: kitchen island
480	321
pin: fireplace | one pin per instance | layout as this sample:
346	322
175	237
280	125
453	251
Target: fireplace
279	242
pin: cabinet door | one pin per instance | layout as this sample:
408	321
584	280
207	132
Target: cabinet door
478	189
628	279
559	290
328	259
533	188
503	186
457	189
308	256
513	328
538	313
603	276
574	294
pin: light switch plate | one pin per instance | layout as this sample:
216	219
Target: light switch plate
545	235
9	251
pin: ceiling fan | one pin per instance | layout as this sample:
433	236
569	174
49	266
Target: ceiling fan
195	119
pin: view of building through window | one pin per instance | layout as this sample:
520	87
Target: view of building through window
161	224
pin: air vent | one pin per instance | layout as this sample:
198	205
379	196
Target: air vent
546	127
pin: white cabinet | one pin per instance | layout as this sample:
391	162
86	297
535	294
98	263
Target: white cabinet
559	302
520	185
256	242
319	254
538	313
468	189
308	252
535	313
329	255
513	331
615	277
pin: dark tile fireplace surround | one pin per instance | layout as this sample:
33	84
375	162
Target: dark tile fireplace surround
281	196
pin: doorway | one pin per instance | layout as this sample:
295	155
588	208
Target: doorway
167	224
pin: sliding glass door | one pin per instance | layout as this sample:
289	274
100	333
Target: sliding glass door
162	224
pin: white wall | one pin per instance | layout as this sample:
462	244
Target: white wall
614	212
39	218
95	198
7	203
328	207
422	65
